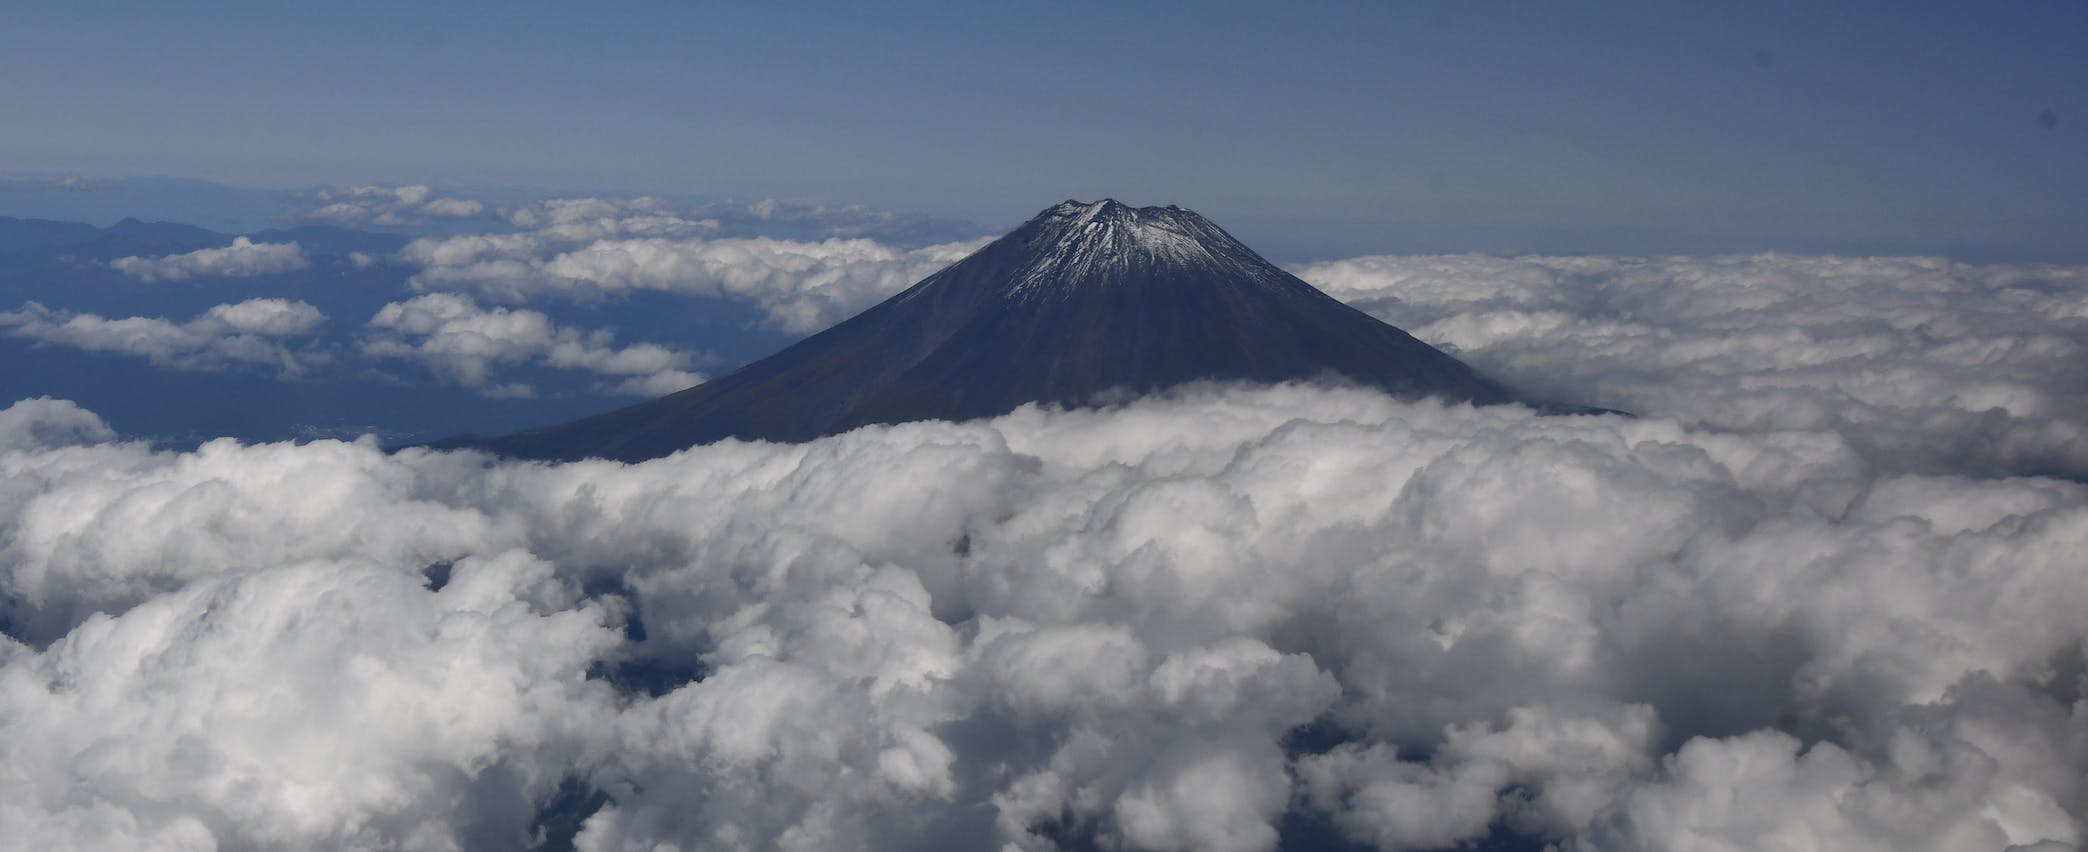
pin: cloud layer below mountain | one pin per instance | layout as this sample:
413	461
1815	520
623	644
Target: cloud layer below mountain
1922	363
1162	626
1824	592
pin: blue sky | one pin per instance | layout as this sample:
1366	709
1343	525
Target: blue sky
1325	127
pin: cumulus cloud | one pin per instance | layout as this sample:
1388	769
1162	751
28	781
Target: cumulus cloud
44	422
1185	623
591	248
1922	363
387	206
315	705
255	331
244	258
462	342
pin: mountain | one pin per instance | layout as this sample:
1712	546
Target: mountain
136	238
212	205
1083	304
125	238
27	234
133	237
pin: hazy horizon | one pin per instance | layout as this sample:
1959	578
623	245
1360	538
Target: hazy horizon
1933	125
104	200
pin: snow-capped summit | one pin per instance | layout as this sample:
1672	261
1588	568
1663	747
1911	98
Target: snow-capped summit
1086	302
1078	243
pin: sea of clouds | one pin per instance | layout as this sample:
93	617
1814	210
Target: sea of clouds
1825	591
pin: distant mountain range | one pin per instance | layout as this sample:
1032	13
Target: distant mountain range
135	238
1085	303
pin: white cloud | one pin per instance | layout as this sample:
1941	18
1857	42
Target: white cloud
589	248
387	206
453	208
244	258
73	183
581	219
661	383
249	332
1601	632
264	317
1922	363
44	422
802	286
648	216
1570	767
463	342
314	705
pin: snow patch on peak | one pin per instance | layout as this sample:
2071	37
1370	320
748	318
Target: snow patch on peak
1078	244
1086	212
1106	207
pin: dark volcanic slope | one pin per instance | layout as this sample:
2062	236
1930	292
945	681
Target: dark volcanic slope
1082	301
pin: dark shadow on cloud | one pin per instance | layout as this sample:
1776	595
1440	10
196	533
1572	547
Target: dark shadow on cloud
559	821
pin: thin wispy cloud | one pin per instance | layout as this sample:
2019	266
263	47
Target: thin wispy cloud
386	206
